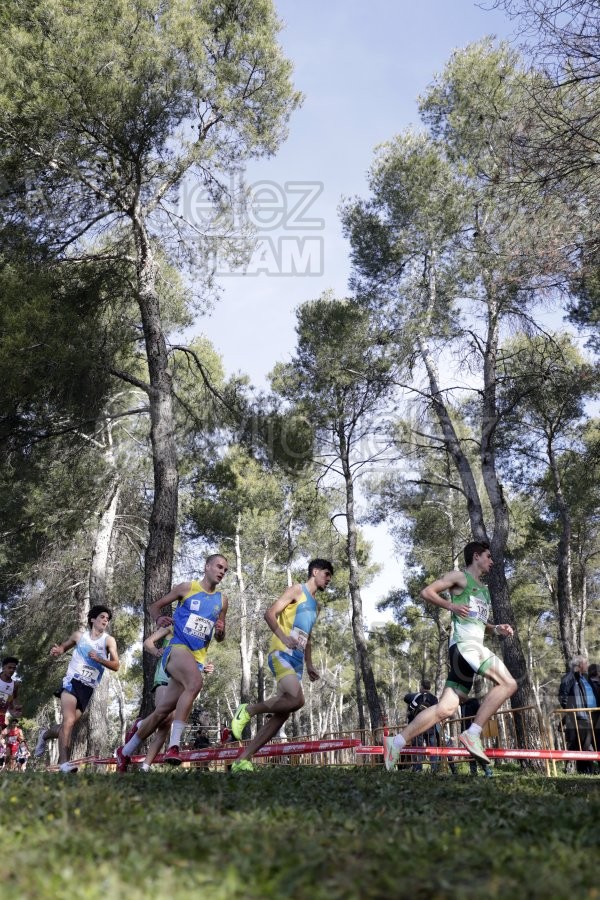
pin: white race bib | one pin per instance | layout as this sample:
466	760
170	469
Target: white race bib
198	627
301	637
87	674
478	609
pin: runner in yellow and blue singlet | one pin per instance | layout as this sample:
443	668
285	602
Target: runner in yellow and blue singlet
291	619
193	623
297	620
200	614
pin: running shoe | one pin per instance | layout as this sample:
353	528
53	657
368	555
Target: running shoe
390	753
474	746
242	765
67	769
132	730
40	747
240	720
172	756
122	760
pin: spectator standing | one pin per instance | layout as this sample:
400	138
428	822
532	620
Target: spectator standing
594	677
577	693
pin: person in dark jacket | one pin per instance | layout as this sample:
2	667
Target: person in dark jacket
577	693
594	677
416	702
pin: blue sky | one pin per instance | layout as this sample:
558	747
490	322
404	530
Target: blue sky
361	67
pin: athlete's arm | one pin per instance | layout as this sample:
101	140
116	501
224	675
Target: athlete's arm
152	640
176	593
290	595
220	623
111	647
502	630
12	705
59	649
455	582
312	672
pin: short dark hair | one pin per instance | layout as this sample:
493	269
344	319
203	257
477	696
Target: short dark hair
475	547
96	611
10	659
426	684
319	564
212	556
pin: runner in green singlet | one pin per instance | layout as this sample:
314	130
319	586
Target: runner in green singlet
469	603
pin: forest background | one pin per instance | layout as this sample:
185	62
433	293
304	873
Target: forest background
433	394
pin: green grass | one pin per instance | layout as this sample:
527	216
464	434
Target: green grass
298	833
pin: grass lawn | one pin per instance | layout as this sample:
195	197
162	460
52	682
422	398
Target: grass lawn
298	832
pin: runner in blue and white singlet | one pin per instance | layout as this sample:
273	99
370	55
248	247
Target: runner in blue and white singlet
82	667
9	689
93	651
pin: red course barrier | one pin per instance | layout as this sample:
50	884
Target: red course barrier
232	752
292	748
567	755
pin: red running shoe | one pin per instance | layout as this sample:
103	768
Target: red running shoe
172	756
122	760
129	734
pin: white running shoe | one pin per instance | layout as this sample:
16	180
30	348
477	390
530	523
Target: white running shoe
390	753
474	746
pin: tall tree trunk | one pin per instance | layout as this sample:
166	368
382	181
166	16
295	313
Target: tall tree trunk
441	659
453	445
567	629
158	565
374	705
362	725
582	614
512	651
120	695
244	645
260	684
100	568
91	736
527	725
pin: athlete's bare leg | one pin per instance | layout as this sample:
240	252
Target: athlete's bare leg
70	715
288	699
504	687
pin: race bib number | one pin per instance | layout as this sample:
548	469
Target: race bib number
4	698
198	627
87	673
478	609
301	638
